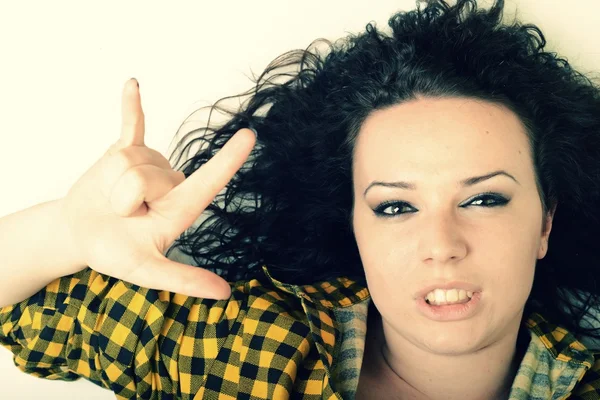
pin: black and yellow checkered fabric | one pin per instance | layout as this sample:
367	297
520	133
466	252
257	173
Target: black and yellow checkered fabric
270	340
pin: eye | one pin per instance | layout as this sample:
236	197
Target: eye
391	208
394	208
488	200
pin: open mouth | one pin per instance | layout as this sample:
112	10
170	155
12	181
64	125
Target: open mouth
439	297
434	303
450	309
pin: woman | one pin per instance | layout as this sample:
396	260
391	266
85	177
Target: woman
432	165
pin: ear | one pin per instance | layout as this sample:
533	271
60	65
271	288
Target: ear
549	217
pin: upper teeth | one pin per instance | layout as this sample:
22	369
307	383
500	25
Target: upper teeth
448	296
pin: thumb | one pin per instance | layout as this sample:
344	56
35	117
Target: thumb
160	273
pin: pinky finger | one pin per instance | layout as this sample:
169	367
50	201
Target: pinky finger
160	273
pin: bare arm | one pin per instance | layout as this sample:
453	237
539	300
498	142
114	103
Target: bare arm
35	249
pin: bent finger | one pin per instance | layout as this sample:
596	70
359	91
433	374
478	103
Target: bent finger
144	183
115	165
129	157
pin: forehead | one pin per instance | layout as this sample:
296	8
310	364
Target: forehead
445	137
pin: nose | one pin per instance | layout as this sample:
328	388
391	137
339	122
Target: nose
441	240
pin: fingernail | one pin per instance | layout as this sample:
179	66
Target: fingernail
253	130
136	82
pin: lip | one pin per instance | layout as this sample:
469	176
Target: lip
447	285
452	312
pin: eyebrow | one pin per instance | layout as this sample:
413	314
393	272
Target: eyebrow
464	183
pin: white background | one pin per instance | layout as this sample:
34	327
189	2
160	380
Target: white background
63	65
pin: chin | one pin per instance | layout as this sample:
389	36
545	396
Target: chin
452	341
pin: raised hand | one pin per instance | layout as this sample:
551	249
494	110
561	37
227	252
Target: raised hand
130	206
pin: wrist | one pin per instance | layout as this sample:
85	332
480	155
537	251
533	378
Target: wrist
65	242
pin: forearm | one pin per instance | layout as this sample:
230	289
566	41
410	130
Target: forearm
35	249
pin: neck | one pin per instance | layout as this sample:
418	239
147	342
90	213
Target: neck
411	372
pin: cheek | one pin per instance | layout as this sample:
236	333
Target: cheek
386	258
514	246
511	261
503	261
374	245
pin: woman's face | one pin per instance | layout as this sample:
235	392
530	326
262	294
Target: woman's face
435	229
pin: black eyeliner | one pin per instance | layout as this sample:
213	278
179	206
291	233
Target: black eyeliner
499	199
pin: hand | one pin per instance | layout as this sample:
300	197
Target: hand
130	206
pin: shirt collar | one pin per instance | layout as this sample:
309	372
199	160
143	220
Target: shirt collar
334	293
554	363
561	343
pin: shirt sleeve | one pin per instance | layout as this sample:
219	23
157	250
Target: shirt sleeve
120	336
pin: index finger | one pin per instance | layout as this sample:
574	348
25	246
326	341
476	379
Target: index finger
132	116
186	202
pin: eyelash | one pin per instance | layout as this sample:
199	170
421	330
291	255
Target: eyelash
499	201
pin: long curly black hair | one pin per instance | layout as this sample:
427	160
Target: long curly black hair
290	206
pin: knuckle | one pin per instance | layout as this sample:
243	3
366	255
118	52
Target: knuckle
121	161
137	177
130	154
130	157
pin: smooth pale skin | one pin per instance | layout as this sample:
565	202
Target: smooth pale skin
130	206
436	143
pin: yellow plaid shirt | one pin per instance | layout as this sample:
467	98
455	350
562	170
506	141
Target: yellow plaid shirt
269	340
